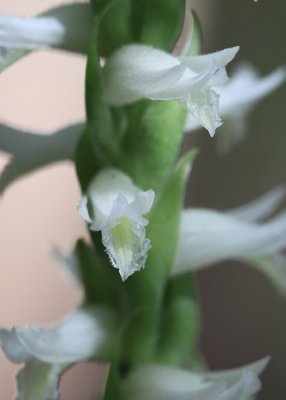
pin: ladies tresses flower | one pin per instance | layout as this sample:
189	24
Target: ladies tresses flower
167	383
48	352
57	28
238	97
207	237
31	151
262	207
115	206
136	72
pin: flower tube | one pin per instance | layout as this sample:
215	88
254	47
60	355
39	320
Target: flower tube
48	352
208	237
66	27
167	383
137	72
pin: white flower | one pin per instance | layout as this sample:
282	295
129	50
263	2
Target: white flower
166	383
136	72
48	352
238	97
31	151
208	236
262	207
66	27
116	208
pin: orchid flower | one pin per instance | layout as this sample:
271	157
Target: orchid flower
262	207
66	27
208	237
30	151
167	383
237	99
137	72
48	352
115	206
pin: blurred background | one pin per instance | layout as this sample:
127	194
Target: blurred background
243	317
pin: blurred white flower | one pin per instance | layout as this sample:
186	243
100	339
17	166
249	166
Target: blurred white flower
115	206
30	151
48	352
262	207
237	99
166	383
66	27
136	72
207	237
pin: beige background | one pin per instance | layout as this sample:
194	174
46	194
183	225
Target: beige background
42	92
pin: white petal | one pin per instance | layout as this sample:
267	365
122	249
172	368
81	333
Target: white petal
31	151
203	106
231	376
48	352
82	208
145	200
189	84
219	59
104	192
262	207
167	383
30	33
80	336
57	28
220	78
245	88
126	246
23	144
12	347
204	70
135	72
248	385
139	71
207	237
239	97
